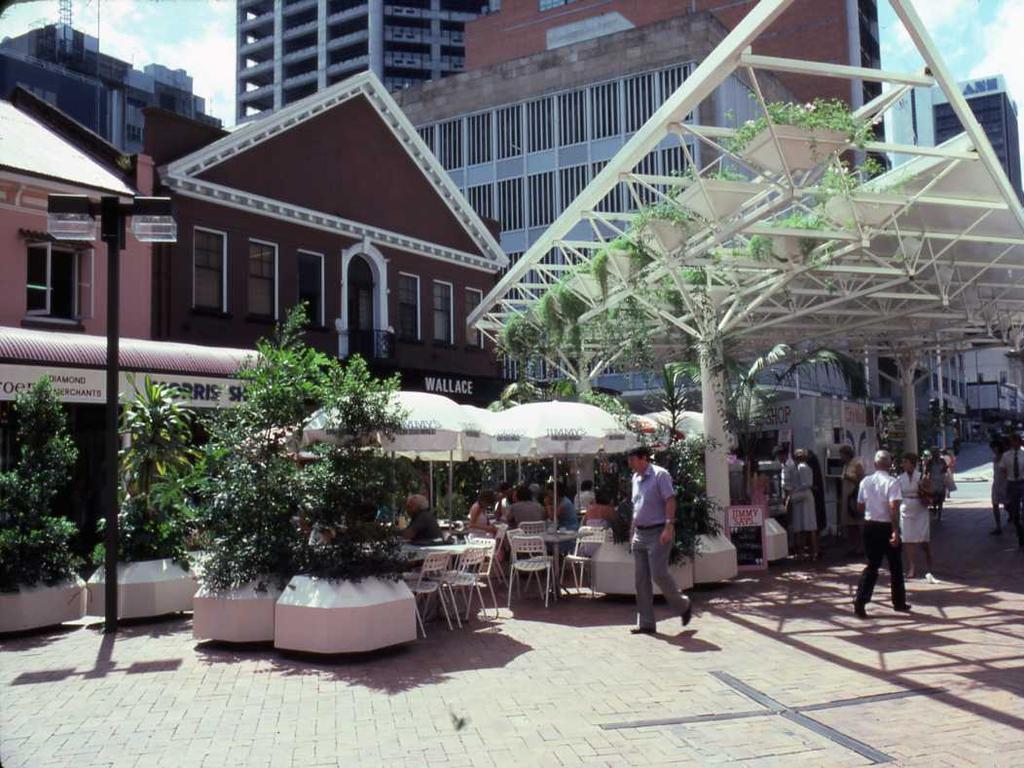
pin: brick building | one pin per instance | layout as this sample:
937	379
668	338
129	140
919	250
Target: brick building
836	31
335	201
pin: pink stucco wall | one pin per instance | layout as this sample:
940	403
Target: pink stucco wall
23	208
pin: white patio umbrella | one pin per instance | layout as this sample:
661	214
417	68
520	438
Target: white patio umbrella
560	429
690	423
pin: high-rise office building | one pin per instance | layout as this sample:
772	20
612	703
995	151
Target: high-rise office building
65	67
288	49
924	117
834	31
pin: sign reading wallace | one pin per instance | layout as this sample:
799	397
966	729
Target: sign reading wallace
477	390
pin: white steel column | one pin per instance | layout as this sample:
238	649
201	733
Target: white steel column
278	54
908	390
942	400
716	466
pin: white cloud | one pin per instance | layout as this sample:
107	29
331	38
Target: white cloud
1002	53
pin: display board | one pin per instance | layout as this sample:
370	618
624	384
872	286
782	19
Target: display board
746	526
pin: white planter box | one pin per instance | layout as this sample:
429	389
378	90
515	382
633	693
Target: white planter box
242	615
620	266
667	234
867	210
777	546
613	573
42	606
147	588
321	616
719	199
716	560
802	150
587	286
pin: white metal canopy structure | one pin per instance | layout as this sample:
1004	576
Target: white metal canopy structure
926	255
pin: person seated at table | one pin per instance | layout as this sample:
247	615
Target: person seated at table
478	522
504	501
600	513
524	509
422	527
586	495
565	511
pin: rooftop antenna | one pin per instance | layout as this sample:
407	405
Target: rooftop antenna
64	12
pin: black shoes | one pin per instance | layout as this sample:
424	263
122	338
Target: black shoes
643	631
859	612
687	614
902	608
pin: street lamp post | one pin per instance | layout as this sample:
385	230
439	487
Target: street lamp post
73	217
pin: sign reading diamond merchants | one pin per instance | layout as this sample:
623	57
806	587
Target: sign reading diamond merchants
88	385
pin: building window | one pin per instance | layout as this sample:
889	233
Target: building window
639	101
209	259
311	284
670	79
612	202
262	279
572	181
542	198
539	121
408	307
572	118
444	331
479	129
474	298
427	134
510	131
673	161
449	150
547	5
59	282
482	200
604	120
510	204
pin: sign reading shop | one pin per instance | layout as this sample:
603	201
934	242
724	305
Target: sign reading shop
88	385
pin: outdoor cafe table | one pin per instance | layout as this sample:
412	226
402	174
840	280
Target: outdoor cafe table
554	540
417	552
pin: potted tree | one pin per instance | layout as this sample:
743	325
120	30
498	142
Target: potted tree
347	596
249	490
155	519
39	583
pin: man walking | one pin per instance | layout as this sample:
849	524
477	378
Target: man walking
1012	464
654	514
879	501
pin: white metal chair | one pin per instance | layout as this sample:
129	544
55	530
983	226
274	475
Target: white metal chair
427	582
530	557
466	575
489	567
533	527
590	539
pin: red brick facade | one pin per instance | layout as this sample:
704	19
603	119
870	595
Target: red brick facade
810	29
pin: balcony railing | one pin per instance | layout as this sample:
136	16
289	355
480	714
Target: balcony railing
371	345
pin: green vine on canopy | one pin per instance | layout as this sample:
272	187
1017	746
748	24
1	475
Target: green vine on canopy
818	115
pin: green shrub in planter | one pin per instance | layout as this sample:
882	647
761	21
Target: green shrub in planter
155	519
695	510
35	544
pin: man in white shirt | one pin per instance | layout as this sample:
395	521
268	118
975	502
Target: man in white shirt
878	498
1012	462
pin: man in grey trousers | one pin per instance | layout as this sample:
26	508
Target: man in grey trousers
654	514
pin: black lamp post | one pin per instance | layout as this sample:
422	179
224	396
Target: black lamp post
73	217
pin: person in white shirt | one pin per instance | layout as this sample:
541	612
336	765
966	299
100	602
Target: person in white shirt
879	499
1012	462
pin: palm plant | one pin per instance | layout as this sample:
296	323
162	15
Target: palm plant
672	397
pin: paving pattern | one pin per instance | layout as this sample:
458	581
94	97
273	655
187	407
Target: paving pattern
567	685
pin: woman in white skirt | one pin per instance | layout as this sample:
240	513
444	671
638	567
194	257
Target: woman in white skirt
804	520
915	520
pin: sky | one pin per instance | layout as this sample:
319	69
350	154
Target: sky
976	37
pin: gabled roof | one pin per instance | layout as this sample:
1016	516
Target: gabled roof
201	174
28	146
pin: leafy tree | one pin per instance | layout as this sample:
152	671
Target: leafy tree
35	544
352	479
155	519
249	484
696	512
672	396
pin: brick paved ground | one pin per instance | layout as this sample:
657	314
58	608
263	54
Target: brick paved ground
537	686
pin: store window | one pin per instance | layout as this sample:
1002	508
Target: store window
474	298
59	282
444	330
262	279
311	284
209	262
408	307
